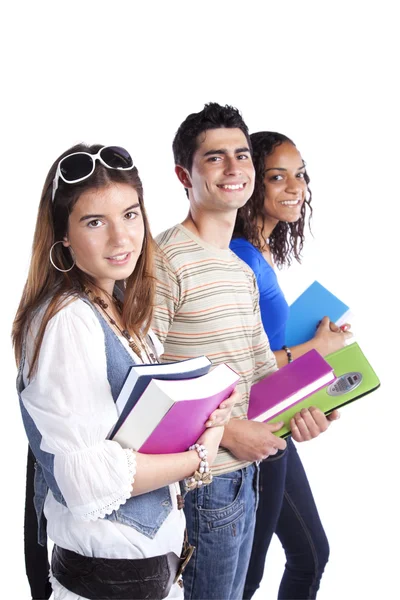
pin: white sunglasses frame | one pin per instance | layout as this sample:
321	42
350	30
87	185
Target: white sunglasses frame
94	157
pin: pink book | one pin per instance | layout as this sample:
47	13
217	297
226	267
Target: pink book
170	414
287	386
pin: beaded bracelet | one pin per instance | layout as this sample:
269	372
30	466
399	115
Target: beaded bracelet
288	353
203	474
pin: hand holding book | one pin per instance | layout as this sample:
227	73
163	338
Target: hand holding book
252	440
212	436
355	378
308	311
221	416
329	337
308	423
151	476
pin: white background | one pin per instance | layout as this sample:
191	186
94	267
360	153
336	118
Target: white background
128	73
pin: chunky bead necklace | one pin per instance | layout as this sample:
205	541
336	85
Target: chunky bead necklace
137	347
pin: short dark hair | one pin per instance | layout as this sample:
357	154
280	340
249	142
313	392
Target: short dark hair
287	239
213	116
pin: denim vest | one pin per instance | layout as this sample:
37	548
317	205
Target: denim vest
145	513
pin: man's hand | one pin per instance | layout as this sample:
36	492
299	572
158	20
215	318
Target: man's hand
310	422
250	440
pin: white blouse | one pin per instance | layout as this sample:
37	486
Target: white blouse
69	399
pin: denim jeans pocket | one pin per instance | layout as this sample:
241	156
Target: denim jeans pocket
221	504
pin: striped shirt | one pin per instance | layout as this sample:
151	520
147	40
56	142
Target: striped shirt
207	303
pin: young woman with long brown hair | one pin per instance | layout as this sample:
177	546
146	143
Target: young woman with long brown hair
112	513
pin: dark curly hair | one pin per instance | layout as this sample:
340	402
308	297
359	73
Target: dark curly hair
213	116
287	239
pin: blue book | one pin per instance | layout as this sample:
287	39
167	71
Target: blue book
307	311
139	376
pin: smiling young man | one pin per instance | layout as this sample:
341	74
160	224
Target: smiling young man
207	303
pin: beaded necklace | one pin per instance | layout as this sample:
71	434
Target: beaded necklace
137	347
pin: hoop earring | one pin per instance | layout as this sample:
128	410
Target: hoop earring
52	262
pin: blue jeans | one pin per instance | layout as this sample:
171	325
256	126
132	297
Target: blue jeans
220	522
286	507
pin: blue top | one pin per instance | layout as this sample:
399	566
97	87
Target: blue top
273	306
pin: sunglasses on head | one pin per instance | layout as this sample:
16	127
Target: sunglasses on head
80	165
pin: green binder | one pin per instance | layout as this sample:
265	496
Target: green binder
355	379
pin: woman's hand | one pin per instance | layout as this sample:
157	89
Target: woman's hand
212	436
222	414
330	337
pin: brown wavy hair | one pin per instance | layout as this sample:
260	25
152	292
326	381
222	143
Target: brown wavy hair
45	284
287	239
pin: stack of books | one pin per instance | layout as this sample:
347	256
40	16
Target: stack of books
164	407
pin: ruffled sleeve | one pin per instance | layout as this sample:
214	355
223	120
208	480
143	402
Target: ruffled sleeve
69	399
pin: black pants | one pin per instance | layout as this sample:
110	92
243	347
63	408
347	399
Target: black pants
286	507
36	558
